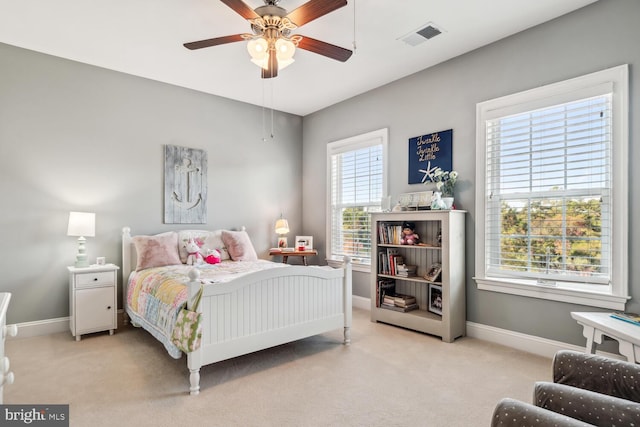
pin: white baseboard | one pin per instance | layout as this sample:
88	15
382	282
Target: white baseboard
47	326
42	327
361	302
528	343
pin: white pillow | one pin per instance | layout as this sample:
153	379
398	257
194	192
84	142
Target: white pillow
156	251
239	245
208	240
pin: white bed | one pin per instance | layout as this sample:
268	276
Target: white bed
259	310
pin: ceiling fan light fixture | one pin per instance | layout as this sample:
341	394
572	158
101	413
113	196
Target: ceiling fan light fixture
285	49
258	49
271	27
284	63
264	62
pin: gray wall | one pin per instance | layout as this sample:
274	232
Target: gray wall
599	36
77	137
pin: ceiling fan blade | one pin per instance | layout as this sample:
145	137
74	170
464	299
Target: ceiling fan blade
314	9
272	71
329	50
213	42
241	8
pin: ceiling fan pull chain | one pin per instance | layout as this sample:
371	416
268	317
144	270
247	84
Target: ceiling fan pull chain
272	103
354	26
264	139
264	107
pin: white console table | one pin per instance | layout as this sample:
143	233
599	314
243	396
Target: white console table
595	325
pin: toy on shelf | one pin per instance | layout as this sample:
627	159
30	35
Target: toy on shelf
409	236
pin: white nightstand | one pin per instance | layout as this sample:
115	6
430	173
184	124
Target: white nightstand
92	299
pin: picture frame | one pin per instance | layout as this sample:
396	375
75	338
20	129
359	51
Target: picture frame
416	200
282	243
435	298
304	243
434	271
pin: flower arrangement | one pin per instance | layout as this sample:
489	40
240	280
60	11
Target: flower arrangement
445	181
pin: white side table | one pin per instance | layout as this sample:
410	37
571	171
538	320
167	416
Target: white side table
92	299
595	325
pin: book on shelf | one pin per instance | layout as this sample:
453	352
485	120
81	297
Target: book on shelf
389	234
399	302
385	287
405	270
404	300
388	260
627	317
398	308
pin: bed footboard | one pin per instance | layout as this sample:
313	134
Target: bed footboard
269	308
262	309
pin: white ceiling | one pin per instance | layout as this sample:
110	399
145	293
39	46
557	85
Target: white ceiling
145	37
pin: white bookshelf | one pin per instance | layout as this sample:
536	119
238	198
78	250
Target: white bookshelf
449	252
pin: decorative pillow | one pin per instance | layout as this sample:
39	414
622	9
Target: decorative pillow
239	245
210	240
157	251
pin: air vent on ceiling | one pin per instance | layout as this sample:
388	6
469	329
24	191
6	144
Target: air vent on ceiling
423	33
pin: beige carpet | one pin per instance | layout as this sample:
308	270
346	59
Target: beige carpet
388	376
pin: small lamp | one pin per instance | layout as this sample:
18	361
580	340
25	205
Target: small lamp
282	227
82	224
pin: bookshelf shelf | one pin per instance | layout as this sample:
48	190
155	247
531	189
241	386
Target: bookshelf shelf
440	302
409	279
387	245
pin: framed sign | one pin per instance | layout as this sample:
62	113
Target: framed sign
185	185
428	152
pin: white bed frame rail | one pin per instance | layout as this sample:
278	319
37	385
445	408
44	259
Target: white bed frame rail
262	309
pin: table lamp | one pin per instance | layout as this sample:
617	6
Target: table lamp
282	227
82	224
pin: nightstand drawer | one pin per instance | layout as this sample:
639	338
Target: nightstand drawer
84	280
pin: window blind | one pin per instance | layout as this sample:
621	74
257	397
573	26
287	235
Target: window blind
356	191
548	195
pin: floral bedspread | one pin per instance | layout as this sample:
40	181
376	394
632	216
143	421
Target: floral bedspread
155	296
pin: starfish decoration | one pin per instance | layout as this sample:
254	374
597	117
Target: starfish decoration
427	172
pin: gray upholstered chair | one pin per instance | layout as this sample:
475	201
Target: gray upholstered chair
586	390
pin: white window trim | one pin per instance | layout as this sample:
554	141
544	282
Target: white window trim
616	294
349	144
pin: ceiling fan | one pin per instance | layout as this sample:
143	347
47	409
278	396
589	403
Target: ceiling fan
271	45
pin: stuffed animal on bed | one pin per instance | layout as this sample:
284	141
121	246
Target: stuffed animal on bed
193	249
213	256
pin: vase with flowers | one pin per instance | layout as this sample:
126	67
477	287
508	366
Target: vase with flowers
445	183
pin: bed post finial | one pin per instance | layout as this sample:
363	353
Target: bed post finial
126	231
348	298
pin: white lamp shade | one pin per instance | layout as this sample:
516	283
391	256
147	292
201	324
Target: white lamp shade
282	226
258	48
259	51
82	224
285	49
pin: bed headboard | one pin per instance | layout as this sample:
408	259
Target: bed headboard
129	258
129	255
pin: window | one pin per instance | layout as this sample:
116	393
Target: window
357	174
552	191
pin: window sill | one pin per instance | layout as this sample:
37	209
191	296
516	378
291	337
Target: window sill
355	265
562	294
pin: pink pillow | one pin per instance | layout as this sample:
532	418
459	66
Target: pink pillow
239	245
157	251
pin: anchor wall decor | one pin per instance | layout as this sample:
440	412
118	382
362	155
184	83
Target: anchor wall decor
185	185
